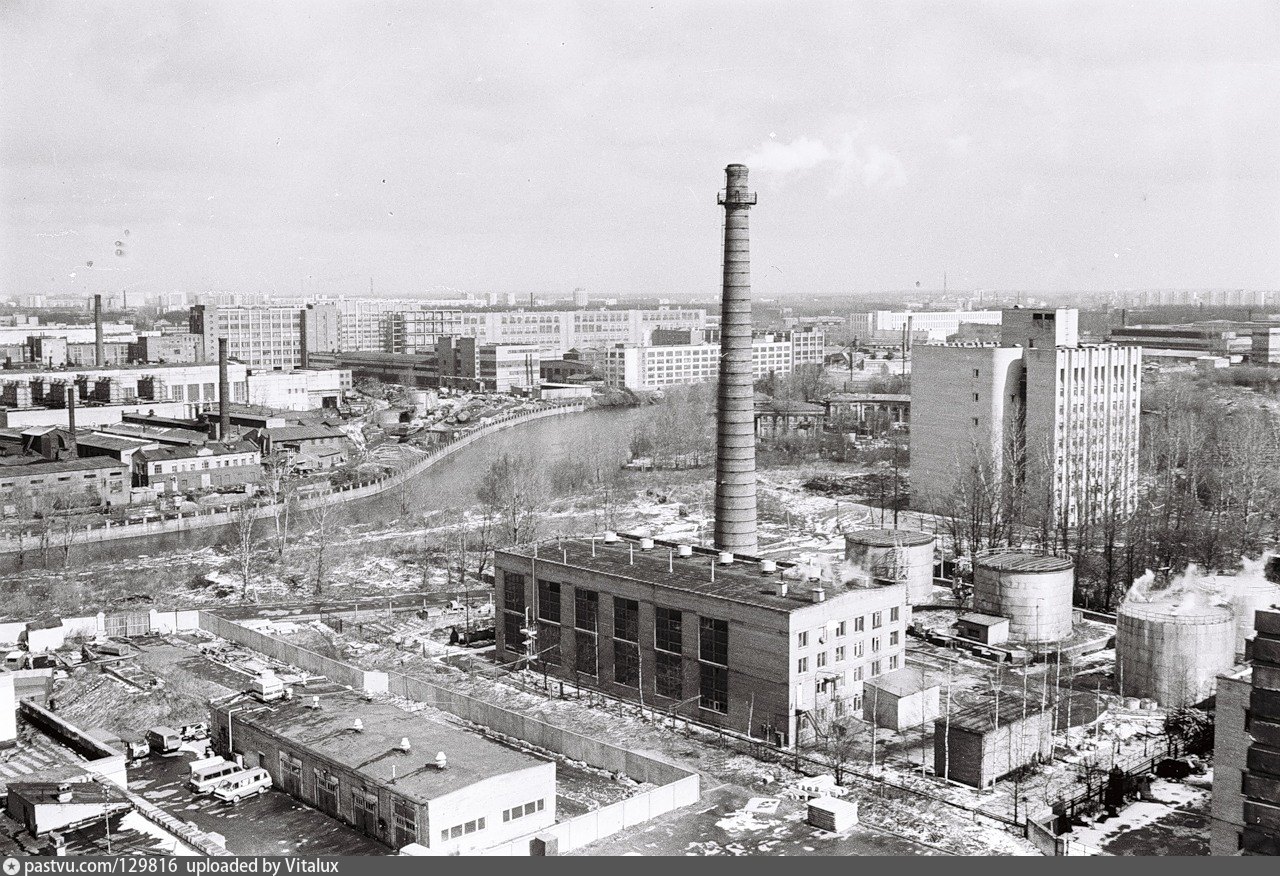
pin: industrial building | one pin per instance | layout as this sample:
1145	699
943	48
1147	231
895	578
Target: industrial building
982	744
901	699
65	483
556	332
755	646
192	469
1064	415
399	777
1246	780
274	337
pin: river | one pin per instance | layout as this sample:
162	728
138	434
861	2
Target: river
449	484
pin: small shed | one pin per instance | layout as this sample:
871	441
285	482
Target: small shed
989	629
900	699
43	806
980	745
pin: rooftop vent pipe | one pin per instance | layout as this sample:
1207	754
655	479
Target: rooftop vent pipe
684	550
404	744
610	536
818	594
768	567
441	761
726	558
780	589
357	725
646	544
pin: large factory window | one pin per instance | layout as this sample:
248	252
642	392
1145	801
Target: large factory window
714	689
513	591
584	658
713	641
586	609
667	623
669	672
549	643
626	620
549	601
626	664
512	624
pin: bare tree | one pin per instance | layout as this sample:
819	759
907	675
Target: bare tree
323	518
513	491
246	544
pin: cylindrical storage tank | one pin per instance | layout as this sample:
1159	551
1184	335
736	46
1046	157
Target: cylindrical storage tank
904	555
1252	596
1173	653
1032	590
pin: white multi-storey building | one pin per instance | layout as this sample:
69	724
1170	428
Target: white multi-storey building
556	332
644	368
1067	415
937	323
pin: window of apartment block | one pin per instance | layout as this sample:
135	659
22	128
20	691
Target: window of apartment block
667	634
893	613
669	675
822	659
876	621
857	649
802	639
893	638
626	620
840	628
893	662
549	601
586	609
875	644
626	663
875	668
802	665
857	673
839	653
713	640
859	624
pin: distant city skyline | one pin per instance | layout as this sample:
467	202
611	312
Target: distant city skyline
306	147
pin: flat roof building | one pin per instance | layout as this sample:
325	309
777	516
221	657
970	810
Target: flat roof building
384	778
777	650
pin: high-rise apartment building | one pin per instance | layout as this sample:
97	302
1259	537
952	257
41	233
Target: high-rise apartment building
1064	415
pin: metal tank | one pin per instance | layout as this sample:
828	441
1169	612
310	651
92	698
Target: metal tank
1173	652
899	555
1032	590
1251	597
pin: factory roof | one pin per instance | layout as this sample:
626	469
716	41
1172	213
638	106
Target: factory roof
210	449
1020	561
86	464
374	751
303	433
111	442
982	717
889	537
740	581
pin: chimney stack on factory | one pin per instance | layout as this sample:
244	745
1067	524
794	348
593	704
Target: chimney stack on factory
99	355
735	398
224	393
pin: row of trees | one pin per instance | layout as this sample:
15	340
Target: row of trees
1208	492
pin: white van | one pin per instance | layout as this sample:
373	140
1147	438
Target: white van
243	784
207	774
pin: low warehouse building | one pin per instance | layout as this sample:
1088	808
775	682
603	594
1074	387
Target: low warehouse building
383	776
981	745
899	700
985	628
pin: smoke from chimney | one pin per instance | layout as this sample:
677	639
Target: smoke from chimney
224	393
735	528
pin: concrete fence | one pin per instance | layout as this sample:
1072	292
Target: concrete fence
294	655
59	538
124	623
608	820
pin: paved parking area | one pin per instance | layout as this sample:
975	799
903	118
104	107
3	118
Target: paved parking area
272	824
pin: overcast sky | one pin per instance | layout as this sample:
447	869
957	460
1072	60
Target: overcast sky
540	146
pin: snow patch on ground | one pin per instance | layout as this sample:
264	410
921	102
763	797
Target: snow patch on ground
1169	796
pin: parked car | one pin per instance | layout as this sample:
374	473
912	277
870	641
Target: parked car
245	784
208	774
164	740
